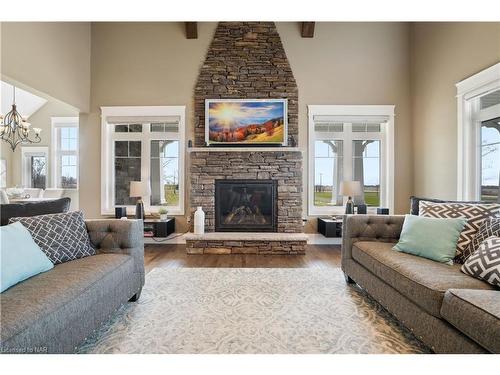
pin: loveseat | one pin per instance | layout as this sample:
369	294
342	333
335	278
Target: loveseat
447	310
55	311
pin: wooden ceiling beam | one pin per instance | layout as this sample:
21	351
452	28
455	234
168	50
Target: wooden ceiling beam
307	30
191	30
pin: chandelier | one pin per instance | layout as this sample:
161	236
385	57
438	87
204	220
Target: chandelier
14	129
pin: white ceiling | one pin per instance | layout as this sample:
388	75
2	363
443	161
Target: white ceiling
27	103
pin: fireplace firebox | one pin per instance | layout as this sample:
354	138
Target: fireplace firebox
245	205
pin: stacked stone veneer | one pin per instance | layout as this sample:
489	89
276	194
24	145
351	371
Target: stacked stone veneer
245	60
283	166
281	247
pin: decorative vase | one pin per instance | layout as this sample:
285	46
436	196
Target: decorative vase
163	217
199	221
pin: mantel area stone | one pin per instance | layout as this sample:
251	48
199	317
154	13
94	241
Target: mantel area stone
246	243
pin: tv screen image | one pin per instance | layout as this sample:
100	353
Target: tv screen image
246	121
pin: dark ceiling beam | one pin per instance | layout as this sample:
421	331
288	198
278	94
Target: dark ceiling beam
307	30
191	30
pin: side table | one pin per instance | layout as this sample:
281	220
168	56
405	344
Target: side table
330	227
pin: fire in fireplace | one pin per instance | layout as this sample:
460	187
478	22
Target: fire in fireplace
245	205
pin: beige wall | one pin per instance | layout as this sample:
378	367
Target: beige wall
51	57
154	64
355	63
443	54
137	64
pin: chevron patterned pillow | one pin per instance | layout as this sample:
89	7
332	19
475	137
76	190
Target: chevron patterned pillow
484	264
62	237
475	214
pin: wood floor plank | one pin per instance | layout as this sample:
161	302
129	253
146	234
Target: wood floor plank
175	256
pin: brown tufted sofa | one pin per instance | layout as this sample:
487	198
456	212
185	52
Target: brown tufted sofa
55	311
448	310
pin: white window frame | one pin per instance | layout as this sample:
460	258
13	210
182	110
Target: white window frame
469	118
28	151
108	136
57	152
386	137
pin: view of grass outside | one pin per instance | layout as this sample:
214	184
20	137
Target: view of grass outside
171	194
372	197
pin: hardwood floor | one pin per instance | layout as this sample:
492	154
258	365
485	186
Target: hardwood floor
174	256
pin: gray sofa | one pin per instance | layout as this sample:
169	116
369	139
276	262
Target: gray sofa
449	311
55	311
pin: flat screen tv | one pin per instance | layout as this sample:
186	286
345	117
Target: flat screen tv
246	122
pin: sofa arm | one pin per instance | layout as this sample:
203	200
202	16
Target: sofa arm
382	228
119	237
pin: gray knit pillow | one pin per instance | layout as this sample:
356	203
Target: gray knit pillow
62	237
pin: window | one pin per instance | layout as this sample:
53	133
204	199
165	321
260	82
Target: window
65	152
143	144
490	160
35	167
479	136
350	143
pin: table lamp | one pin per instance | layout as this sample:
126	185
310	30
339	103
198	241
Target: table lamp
139	190
350	189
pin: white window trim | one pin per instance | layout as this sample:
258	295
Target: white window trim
387	150
107	175
56	123
26	170
468	170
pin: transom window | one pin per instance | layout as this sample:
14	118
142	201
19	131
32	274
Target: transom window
143	144
349	143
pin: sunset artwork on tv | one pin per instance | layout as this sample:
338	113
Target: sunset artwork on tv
248	121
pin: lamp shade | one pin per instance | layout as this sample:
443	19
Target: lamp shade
139	189
350	188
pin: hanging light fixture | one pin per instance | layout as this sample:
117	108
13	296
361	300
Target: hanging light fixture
14	129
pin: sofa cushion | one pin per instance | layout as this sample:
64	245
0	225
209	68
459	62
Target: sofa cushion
475	313
421	280
62	237
475	214
42	305
55	206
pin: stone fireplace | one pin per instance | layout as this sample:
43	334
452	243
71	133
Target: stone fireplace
252	196
245	205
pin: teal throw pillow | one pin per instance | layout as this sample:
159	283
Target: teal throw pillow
20	257
430	238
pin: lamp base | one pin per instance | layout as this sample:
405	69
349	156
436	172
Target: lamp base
349	206
139	210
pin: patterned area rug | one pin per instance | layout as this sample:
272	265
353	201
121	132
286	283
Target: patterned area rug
251	310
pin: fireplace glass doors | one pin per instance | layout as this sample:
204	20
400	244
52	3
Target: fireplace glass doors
245	205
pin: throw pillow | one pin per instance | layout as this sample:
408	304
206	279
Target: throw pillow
25	209
489	228
62	237
474	213
415	203
484	264
430	238
21	256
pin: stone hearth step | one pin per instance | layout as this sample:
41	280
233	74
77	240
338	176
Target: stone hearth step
246	243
